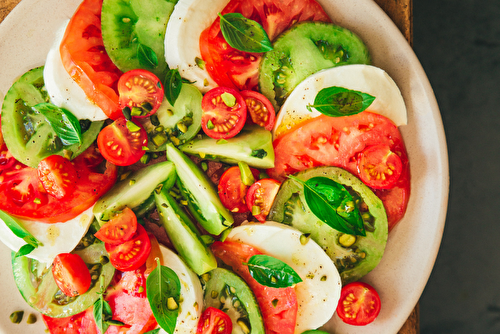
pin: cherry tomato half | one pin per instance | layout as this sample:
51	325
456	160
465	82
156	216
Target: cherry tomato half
214	321
131	254
57	175
260	109
359	304
232	191
71	274
141	91
224	113
119	228
379	167
121	146
260	197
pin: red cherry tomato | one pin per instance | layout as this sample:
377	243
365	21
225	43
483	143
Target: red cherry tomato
232	191
260	109
359	304
57	175
121	146
221	119
379	167
260	197
214	321
71	274
131	254
119	228
141	91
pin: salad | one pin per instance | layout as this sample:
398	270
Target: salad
197	147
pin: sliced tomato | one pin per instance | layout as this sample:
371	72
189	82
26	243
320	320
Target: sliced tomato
71	274
119	228
121	146
379	167
219	118
214	321
260	197
359	304
81	323
260	109
232	191
24	196
131	254
57	175
153	255
6	158
337	141
236	69
278	306
141	91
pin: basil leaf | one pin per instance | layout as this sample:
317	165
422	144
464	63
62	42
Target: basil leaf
338	101
19	231
64	123
271	272
154	331
172	85
244	34
163	292
99	314
24	250
147	57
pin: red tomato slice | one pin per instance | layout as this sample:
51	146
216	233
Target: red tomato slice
57	175
153	255
71	274
121	146
260	197
359	304
379	167
232	191
81	323
119	228
236	69
260	109
23	195
141	91
279	317
220	120
337	141
85	59
214	321
131	254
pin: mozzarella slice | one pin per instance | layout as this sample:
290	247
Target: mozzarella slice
56	238
182	39
64	92
319	293
364	78
191	293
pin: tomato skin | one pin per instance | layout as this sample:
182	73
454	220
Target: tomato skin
359	304
139	86
57	175
131	254
219	120
232	191
379	167
214	321
71	274
260	109
119	145
280	317
119	228
261	194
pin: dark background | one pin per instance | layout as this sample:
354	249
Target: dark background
458	44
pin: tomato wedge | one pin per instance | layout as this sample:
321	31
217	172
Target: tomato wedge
260	197
359	304
260	109
232	191
141	91
71	274
379	167
131	254
57	175
119	228
214	321
224	113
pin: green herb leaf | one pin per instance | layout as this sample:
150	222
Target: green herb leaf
64	123
270	271
163	291
338	101
24	250
228	99
100	315
147	57
244	34
261	153
172	85
19	231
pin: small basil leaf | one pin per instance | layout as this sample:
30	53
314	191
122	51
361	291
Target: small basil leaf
18	230
64	123
163	292
99	315
244	34
172	86
338	101
147	57
24	250
272	272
